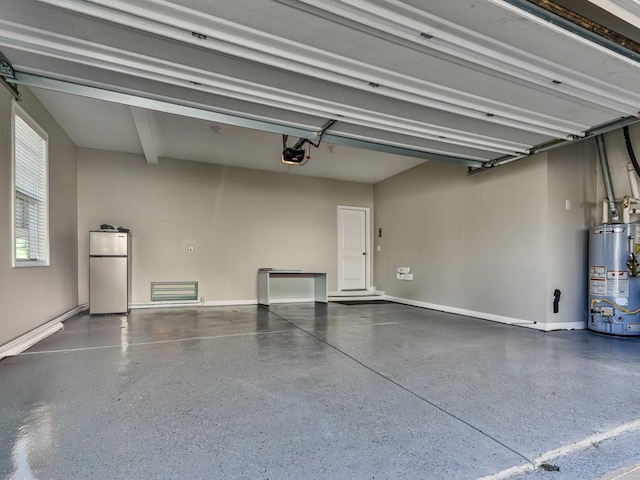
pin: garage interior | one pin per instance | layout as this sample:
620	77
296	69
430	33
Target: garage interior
464	132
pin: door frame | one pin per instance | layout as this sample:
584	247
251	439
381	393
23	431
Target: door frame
367	244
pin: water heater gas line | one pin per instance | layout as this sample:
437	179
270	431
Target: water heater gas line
606	177
633	181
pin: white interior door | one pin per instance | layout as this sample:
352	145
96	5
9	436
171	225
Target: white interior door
352	248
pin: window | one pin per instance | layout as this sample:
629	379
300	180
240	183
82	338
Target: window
30	191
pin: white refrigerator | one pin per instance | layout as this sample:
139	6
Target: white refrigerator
109	271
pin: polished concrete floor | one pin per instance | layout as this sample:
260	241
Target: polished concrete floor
314	391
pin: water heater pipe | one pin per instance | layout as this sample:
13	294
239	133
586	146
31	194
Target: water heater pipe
605	211
633	181
606	177
628	210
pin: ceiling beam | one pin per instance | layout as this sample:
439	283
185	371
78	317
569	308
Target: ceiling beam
142	121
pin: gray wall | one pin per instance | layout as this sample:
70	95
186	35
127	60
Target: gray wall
495	243
32	296
571	176
475	242
237	220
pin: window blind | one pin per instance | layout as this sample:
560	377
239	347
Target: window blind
31	230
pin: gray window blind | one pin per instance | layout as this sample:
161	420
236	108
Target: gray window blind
31	229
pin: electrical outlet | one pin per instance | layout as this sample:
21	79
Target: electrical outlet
404	276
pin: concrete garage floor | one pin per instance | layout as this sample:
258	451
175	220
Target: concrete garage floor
316	391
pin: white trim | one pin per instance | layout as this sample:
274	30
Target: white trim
216	303
367	228
138	306
545	327
13	183
225	303
291	300
17	110
27	340
565	326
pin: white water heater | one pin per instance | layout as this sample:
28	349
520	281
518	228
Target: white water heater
614	284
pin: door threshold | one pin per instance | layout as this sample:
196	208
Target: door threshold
357	293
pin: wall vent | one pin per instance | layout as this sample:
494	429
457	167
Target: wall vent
174	291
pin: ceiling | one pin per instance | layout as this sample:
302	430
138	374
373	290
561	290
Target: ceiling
472	82
110	126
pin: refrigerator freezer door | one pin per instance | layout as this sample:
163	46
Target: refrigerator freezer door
108	289
108	243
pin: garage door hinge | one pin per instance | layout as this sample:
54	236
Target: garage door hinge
7	71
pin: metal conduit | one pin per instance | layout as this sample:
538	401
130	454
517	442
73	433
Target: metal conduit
606	177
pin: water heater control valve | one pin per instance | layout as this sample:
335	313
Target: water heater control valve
607	311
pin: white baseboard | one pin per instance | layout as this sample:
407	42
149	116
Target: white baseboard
229	303
23	342
216	303
224	303
565	326
138	306
545	327
292	300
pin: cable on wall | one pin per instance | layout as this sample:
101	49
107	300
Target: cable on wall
632	155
